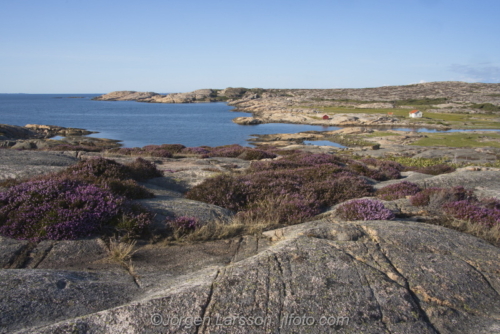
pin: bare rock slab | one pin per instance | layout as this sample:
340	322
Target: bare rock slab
31	297
10	249
485	183
324	277
24	164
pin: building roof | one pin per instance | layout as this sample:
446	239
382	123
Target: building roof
414	111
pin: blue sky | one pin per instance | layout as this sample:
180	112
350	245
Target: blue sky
68	46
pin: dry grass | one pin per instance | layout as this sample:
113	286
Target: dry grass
240	225
215	231
121	252
491	235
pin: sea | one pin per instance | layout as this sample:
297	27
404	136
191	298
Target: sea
138	124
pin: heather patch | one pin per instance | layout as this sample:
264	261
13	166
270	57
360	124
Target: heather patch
61	209
182	225
487	214
142	169
196	150
288	190
436	169
436	197
281	209
364	209
229	151
108	174
398	190
237	151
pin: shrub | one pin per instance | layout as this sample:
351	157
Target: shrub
474	212
182	225
65	210
183	222
255	154
398	190
142	169
436	169
223	190
436	197
195	150
300	184
364	209
282	209
108	174
172	148
229	151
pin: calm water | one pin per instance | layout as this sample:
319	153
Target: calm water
139	124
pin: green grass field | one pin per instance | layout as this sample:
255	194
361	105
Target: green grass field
462	139
466	121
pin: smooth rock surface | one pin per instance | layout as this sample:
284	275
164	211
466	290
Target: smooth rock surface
166	206
373	277
24	164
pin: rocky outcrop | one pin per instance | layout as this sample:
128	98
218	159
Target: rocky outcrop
125	95
200	95
362	277
35	136
48	131
13	132
247	121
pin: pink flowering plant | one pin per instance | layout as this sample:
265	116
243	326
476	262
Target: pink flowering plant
364	209
398	190
65	210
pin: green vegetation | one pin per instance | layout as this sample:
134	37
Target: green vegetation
350	140
417	162
421	163
420	103
469	121
485	106
381	134
460	140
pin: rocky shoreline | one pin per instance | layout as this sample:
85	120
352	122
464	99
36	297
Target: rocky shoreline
308	106
35	136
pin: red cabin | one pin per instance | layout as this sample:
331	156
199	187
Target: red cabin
326	117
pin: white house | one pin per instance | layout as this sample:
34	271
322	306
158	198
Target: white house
415	113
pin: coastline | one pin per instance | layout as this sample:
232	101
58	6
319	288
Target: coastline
445	105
